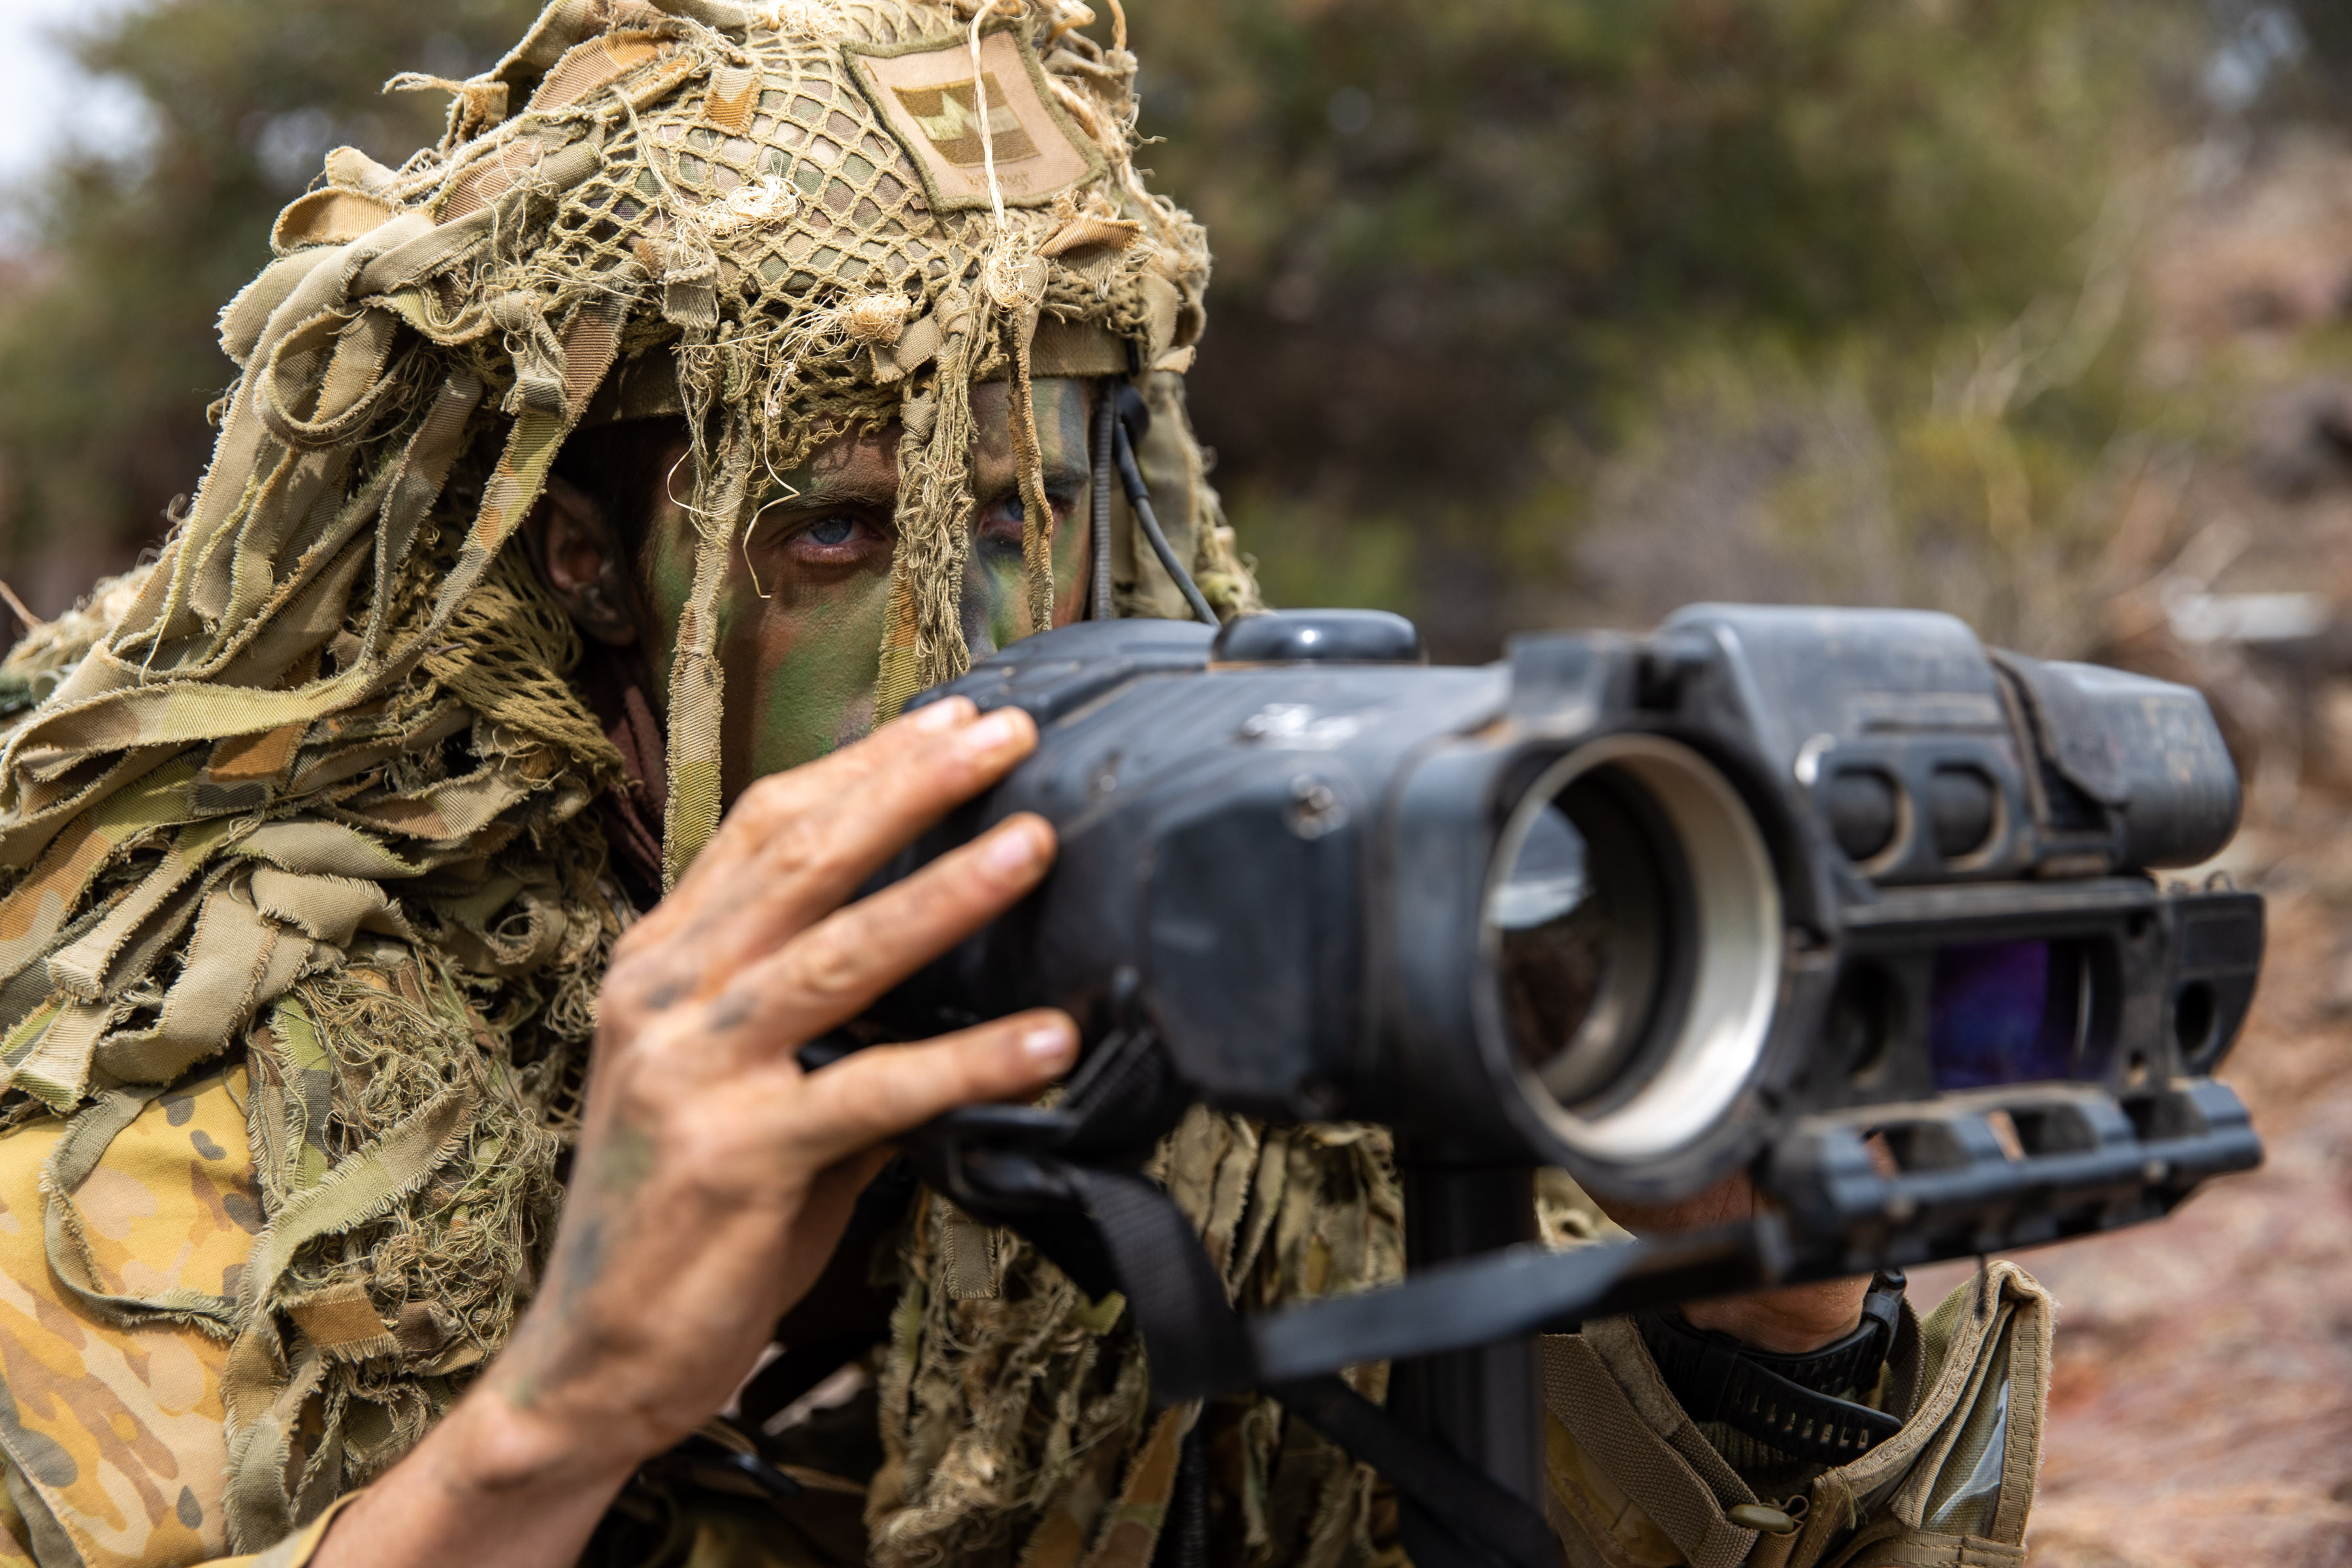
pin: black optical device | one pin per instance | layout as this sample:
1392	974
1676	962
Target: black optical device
1836	895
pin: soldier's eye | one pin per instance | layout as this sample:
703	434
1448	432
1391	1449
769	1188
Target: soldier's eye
833	531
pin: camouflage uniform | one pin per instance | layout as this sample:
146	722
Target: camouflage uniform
303	904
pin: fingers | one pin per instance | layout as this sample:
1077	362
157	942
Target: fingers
920	764
837	968
887	1091
799	843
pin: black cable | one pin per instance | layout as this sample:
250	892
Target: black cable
1139	497
1106	422
1184	1532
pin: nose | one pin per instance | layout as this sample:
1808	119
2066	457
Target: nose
978	610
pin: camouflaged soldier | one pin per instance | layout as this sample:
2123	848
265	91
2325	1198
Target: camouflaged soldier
727	375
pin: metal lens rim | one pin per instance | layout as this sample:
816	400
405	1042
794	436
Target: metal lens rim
1721	1033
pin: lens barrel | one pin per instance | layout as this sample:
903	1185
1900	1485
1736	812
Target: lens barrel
1633	940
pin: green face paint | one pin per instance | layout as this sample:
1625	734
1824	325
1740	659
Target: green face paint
801	612
995	589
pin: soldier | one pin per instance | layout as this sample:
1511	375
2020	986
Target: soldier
593	484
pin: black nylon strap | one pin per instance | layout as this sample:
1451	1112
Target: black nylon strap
1184	1529
1467	1503
1192	1333
1198	1347
1520	1291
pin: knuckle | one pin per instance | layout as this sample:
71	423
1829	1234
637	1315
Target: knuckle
637	944
630	982
828	968
800	847
772	795
897	1091
962	1073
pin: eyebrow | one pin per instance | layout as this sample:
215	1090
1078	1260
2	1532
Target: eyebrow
1063	475
848	491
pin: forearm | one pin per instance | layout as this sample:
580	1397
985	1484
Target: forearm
1791	1320
489	1484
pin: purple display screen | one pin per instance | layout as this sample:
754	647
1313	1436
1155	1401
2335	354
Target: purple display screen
2004	1012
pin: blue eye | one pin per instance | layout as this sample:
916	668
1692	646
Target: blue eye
1017	512
832	531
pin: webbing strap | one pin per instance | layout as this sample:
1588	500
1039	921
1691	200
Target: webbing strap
81	968
57	1068
264	1409
351	393
37	908
1587	1401
237	961
1037	512
1195	1336
1463	1501
699	685
1197	1345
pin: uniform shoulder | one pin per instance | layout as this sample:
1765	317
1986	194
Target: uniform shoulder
114	1431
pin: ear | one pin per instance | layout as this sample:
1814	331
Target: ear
581	559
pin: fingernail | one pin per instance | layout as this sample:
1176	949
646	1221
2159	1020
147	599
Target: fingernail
1015	848
992	733
1049	1044
941	715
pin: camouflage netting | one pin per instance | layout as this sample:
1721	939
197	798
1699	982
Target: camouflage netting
312	787
1016	1412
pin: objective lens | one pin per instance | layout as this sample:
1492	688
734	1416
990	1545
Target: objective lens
1581	918
1632	932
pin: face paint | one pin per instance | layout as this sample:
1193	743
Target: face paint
995	586
802	611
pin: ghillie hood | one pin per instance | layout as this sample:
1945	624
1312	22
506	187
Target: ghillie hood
307	795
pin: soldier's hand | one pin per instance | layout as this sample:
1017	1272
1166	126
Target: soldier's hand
713	1176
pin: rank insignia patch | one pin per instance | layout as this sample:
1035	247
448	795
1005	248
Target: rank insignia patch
925	93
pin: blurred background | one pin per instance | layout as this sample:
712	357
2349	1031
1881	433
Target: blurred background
1540	313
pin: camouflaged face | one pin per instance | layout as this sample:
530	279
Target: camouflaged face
815	219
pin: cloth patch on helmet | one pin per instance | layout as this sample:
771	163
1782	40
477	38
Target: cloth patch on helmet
925	95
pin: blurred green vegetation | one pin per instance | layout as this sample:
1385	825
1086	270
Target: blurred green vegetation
1516	276
107	357
1525	309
